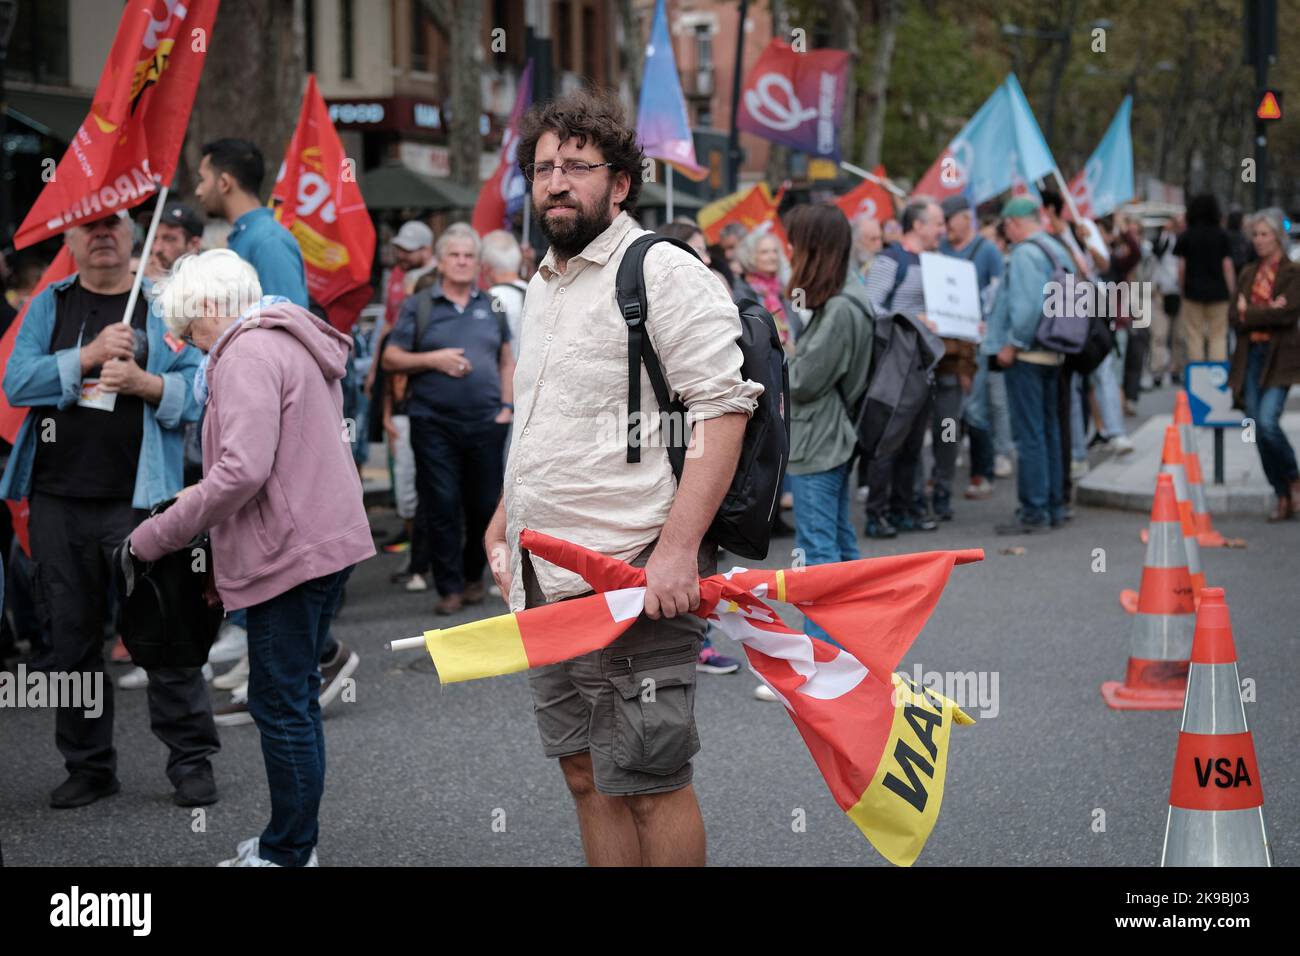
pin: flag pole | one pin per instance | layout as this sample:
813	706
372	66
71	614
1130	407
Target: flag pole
405	644
669	186
144	256
1065	192
872	177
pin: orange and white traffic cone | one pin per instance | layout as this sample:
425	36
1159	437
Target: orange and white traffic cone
1161	641
1206	536
1172	464
1216	804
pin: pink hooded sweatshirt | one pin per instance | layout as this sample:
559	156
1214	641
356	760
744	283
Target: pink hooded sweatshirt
280	491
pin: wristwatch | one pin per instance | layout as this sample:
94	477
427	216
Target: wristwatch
507	405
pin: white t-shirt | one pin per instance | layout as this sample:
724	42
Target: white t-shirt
511	297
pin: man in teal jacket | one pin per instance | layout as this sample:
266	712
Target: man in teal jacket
101	445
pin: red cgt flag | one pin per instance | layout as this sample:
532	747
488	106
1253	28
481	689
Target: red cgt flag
130	141
316	197
868	199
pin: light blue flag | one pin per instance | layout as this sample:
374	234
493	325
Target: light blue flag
1106	182
661	122
1000	148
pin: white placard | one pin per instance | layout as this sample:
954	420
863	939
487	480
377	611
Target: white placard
952	295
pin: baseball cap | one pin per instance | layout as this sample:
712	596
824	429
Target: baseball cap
1020	207
179	214
953	205
413	235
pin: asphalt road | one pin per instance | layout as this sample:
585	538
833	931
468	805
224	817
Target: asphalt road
419	774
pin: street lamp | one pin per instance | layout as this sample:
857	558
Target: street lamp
8	17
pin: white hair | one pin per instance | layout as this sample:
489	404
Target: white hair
501	252
458	230
217	277
747	252
1275	219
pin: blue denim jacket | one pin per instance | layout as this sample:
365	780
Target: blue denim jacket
1018	307
272	250
35	377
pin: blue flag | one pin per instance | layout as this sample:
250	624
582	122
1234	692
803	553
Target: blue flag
662	125
1000	148
1106	182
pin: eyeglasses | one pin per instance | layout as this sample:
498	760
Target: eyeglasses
573	171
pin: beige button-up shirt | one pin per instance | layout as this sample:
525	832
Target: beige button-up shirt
568	474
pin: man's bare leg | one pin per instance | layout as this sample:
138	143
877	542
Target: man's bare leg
609	835
669	827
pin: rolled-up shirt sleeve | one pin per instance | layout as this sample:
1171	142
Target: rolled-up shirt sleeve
693	326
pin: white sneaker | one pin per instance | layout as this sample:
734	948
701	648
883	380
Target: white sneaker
763	692
1002	467
234	677
247	856
236	712
231	643
863	491
1078	468
134	679
1120	444
416	582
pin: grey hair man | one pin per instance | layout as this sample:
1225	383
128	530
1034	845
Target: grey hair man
502	258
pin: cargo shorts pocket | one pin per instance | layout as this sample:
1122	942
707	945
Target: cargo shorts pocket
654	710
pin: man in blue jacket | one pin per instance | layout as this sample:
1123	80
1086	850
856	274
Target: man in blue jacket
101	445
1031	371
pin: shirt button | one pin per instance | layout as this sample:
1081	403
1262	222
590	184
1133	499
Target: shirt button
562	289
527	432
519	481
549	336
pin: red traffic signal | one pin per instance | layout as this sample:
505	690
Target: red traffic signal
1270	106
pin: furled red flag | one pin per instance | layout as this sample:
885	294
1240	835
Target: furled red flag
796	98
880	741
129	143
19	512
868	199
316	197
11	418
506	191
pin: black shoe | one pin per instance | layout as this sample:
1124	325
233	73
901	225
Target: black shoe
1020	527
878	526
81	789
196	789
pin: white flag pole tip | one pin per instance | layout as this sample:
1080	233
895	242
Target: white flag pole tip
405	644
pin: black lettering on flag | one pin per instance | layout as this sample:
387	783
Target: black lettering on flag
915	717
908	760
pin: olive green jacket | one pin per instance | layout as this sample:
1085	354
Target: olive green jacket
828	376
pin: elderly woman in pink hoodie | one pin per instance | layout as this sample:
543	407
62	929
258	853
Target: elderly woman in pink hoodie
282	500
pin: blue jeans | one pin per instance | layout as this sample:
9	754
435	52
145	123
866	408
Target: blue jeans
1265	406
286	636
1031	393
823	527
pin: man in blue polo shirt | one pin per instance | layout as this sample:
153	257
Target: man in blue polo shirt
230	183
453	343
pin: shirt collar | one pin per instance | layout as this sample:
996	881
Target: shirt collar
436	292
598	251
246	220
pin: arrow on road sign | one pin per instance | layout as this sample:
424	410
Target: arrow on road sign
1209	395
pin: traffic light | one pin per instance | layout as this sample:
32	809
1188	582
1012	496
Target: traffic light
1269	105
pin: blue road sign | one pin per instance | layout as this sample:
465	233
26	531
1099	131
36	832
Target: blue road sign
1209	396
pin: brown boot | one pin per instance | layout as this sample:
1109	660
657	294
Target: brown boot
1295	497
449	604
1282	509
475	592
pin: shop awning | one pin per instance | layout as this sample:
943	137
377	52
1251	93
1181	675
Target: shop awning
397	187
51	114
655	195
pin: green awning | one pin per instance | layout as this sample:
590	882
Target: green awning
655	195
397	187
51	114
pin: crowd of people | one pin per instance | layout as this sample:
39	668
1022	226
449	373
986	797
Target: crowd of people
485	379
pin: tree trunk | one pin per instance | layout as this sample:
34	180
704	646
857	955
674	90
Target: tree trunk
251	87
778	156
891	11
461	22
844	36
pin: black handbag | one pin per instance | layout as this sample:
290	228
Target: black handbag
170	612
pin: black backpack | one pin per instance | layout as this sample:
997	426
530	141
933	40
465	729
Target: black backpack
743	524
166	617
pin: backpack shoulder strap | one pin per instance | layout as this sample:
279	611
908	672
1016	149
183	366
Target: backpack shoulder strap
423	316
630	293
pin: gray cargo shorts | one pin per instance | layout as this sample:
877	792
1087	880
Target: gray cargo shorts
632	704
